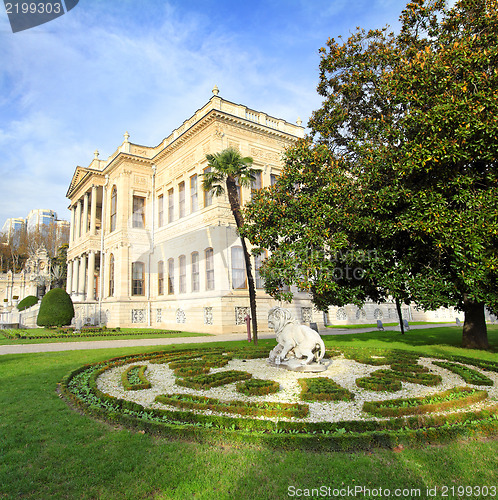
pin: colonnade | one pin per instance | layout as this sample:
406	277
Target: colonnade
83	232
81	276
83	211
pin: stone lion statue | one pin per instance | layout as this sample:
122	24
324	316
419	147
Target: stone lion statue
293	339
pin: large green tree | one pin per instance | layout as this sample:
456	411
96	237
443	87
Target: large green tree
405	168
228	171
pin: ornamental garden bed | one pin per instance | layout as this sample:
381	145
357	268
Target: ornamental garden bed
327	410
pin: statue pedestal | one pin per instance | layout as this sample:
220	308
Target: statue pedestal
295	365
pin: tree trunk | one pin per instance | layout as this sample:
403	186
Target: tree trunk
239	220
475	335
400	316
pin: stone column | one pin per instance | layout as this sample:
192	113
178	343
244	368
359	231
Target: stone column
71	226
93	212
90	291
81	281
77	232
85	214
69	277
75	277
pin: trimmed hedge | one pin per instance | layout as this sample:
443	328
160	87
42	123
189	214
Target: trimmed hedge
323	389
470	376
56	309
80	388
285	410
133	379
453	398
213	379
258	387
27	302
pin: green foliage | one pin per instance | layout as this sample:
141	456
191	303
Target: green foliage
258	387
279	410
470	376
56	309
133	378
213	379
80	387
403	171
323	389
27	302
453	398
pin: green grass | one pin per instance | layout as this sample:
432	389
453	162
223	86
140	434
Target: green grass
125	334
48	451
396	323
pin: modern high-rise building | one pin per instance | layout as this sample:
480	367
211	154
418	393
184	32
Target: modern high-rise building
40	217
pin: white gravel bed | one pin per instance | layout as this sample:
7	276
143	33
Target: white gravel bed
342	371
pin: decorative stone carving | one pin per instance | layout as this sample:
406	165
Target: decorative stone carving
240	315
138	315
159	315
299	348
341	314
208	315
307	314
180	316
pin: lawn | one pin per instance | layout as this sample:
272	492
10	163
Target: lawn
46	335
51	451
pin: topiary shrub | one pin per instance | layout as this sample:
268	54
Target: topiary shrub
28	301
56	309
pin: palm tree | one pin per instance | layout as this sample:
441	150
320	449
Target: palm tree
228	171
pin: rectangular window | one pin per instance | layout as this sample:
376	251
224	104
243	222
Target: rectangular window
160	278
183	274
171	205
258	261
111	276
138	212
208	195
209	269
160	211
195	272
256	183
138	278
273	179
114	207
171	276
194	202
181	199
238	268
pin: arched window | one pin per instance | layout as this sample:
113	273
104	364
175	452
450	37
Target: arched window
171	276
182	274
138	278
258	261
209	269
195	271
238	268
111	276
160	277
114	206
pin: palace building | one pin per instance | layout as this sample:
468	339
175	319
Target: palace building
149	248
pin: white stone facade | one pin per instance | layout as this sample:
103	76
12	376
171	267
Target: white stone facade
148	248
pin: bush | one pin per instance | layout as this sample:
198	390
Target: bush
27	302
56	309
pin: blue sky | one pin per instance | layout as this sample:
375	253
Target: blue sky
77	83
